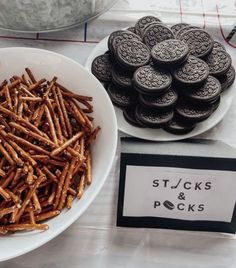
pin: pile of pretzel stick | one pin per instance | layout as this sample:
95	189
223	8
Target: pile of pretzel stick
46	132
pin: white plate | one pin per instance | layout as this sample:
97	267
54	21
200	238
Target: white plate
46	64
159	134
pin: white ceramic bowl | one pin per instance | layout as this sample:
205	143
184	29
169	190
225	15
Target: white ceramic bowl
72	75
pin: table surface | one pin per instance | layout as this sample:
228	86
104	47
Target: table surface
94	240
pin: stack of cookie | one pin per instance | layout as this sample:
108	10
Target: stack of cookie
164	77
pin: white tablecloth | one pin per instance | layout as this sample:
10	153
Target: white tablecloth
94	240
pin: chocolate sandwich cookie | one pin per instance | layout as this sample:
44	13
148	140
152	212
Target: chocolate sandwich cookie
163	103
177	27
218	45
184	30
101	68
152	118
200	42
179	128
150	80
129	115
206	93
132	54
121	78
143	22
216	104
169	52
193	72
121	37
111	38
219	62
156	33
227	79
131	29
193	114
121	97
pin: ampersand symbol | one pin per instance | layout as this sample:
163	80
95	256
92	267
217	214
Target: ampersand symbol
181	196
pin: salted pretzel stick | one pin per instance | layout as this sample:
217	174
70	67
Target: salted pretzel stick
65	114
36	85
53	194
25	81
47	215
65	90
20	108
67	183
2	173
55	119
10	149
31	215
38	116
23	153
60	113
4	194
23	227
6	211
93	135
34	99
81	187
31	76
25	90
27	144
60	185
66	144
30	178
14	84
15	103
89	169
8	97
16	178
69	201
21	120
29	196
51	125
13	215
4	123
5	154
76	113
36	203
8	178
32	134
14	197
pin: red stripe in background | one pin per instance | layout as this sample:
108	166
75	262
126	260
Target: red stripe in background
221	29
47	39
181	11
203	15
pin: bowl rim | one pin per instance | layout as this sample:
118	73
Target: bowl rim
114	136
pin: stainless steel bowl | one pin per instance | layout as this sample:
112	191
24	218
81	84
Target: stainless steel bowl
49	15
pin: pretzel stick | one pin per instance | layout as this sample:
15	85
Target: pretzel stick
2	173
15	103
25	90
32	134
31	215
81	187
5	154
31	76
8	97
66	144
89	171
60	113
4	194
4	123
65	90
27	144
16	178
36	203
36	85
6	211
23	153
53	194
20	108
47	215
21	120
4	83
13	215
55	119
14	197
23	227
29	196
30	177
34	99
14	84
10	149
65	115
69	201
51	125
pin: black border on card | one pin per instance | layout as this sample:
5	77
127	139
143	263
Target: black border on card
195	162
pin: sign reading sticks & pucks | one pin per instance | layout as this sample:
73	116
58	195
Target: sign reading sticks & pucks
184	185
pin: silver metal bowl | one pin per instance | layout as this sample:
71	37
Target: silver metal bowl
49	15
